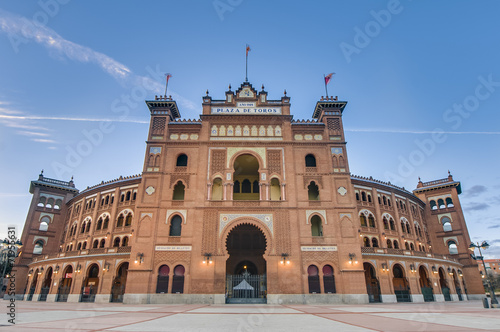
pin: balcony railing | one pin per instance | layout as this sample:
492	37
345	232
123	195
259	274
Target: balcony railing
403	252
84	252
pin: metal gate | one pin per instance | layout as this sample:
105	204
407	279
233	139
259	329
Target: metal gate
428	294
88	294
43	294
402	294
30	294
62	294
446	293
246	288
459	293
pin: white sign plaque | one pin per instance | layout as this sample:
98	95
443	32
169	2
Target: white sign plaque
246	110
173	248
318	248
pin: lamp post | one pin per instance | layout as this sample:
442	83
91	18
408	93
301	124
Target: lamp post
484	245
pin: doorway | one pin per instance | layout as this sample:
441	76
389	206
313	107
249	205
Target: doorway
246	266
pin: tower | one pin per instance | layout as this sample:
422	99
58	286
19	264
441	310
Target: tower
447	229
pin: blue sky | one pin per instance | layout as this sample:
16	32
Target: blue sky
407	69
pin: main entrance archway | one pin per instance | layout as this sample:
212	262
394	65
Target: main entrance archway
246	266
372	284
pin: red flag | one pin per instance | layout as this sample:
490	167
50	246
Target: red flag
248	48
328	78
168	75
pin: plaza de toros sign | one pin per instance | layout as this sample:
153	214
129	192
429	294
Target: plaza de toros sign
246	108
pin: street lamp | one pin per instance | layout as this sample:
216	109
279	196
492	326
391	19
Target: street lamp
483	245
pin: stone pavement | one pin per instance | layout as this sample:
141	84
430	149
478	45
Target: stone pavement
451	316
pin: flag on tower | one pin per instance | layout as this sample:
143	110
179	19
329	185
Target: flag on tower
167	75
328	78
248	49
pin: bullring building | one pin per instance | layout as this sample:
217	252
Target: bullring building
246	205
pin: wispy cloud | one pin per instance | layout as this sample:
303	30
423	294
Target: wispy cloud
476	207
44	140
410	131
13	24
64	118
475	190
32	133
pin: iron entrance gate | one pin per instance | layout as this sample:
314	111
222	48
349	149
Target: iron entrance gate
246	288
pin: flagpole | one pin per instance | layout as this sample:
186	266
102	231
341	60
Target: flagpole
326	86
166	86
246	64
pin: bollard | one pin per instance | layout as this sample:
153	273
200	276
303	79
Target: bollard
485	303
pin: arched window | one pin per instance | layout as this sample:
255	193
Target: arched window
84	246
102	243
408	228
256	188
310	160
389	244
433	205
58	204
79	246
122	198
107	200
316	226
385	200
134	195
366	242
162	280
178	280
82	229
391	223
119	222
95	244
412	247
328	279
449	202
386	223
116	242
379	200
357	196
389	201
127	198
452	247
41	202
275	189
128	220
396	244
175	226
371	221
106	222
38	247
99	224
363	196
236	187
374	242
446	224
407	246
178	191
313	191
369	198
246	187
403	226
125	242
441	204
362	220
87	229
313	279
217	189
182	160
44	226
50	203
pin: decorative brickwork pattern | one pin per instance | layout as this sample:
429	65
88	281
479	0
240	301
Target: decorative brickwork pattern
172	257
333	124
159	125
274	161
308	179
210	232
218	161
282	231
320	257
175	178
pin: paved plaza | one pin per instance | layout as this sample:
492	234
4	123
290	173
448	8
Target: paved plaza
456	316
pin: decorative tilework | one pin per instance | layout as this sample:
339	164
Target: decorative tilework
266	219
